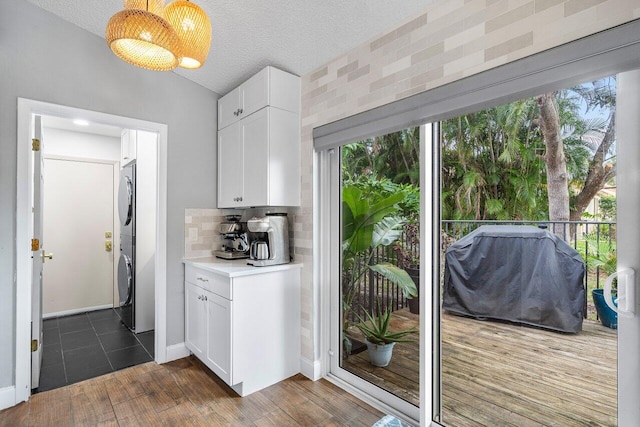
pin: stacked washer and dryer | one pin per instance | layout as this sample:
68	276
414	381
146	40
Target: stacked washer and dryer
126	263
137	208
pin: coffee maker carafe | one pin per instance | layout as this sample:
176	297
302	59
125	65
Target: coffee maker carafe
274	249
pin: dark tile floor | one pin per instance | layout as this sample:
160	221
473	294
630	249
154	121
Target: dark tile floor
87	345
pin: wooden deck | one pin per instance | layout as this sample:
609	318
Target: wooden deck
500	374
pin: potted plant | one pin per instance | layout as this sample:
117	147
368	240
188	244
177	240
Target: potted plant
380	340
368	223
408	256
607	263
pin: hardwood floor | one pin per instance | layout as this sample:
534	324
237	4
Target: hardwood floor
185	393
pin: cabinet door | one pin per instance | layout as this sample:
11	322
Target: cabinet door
254	93
218	357
128	141
195	319
228	109
230	166
255	131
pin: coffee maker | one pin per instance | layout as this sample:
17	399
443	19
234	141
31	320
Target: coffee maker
272	245
235	244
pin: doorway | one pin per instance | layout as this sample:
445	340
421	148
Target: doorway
27	109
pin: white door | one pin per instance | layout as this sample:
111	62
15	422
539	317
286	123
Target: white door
78	217
38	255
628	242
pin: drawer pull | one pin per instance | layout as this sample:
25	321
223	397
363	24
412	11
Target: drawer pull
202	279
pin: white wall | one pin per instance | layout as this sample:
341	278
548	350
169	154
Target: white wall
60	142
45	58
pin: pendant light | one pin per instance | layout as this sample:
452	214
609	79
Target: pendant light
193	27
144	38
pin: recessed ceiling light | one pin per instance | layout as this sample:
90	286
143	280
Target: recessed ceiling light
81	122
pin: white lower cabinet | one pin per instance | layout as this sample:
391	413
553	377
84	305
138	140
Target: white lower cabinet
245	329
218	356
196	320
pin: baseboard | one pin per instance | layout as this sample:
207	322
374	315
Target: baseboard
311	369
7	397
76	311
177	351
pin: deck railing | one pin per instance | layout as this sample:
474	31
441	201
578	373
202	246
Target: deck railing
591	239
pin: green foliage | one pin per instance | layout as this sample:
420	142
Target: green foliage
492	168
376	188
493	160
393	156
370	220
607	206
376	328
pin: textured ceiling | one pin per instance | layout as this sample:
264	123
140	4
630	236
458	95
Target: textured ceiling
294	35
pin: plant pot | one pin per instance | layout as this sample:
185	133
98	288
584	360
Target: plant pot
380	354
414	303
607	316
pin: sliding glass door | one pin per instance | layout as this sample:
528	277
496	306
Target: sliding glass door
526	336
376	328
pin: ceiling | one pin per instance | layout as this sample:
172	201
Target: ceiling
294	35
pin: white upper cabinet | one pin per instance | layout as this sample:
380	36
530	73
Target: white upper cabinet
128	149
270	87
259	151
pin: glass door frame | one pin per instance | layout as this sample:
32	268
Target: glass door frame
330	163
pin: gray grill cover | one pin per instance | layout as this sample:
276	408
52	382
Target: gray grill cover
517	273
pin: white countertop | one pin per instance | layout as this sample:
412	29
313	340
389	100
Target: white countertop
236	268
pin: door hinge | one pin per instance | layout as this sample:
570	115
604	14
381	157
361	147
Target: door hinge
34	345
35	245
35	144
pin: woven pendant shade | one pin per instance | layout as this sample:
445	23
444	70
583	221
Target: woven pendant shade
144	39
154	6
193	27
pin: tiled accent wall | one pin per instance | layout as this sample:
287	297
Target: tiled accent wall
201	232
452	40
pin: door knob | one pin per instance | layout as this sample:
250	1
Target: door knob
108	246
626	300
45	256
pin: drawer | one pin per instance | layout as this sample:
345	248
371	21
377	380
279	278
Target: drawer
212	282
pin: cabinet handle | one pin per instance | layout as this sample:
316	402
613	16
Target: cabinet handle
240	198
241	110
199	296
205	297
202	279
235	113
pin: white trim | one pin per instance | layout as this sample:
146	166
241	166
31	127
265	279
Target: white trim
7	397
177	351
26	109
79	159
311	369
76	311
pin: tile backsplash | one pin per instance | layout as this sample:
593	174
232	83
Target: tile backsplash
201	235
201	226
